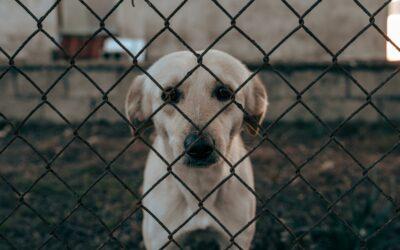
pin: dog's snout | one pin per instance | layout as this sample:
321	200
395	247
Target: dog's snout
199	149
199	146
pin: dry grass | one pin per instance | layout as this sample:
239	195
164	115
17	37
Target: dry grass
332	172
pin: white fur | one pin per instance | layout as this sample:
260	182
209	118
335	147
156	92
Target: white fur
232	204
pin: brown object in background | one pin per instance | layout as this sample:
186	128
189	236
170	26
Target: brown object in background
73	43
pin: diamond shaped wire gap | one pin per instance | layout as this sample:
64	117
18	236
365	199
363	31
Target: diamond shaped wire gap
248	37
19	227
50	198
74	92
78	166
363	41
80	204
97	130
104	75
373	145
282	94
166	37
24	18
372	17
14	164
124	166
311	52
128	230
269	162
343	83
382	100
280	236
26	96
42	49
327	233
39	22
82	229
360	208
324	171
386	175
357	20
102	200
166	20
48	140
304	199
214	17
229	34
293	144
280	39
195	40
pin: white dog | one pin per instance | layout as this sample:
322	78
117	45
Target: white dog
201	168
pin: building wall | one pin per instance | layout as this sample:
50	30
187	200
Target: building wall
268	22
77	19
16	26
334	97
200	23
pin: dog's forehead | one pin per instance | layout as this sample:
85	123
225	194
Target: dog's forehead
172	68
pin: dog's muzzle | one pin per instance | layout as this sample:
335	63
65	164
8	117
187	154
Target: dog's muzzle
199	150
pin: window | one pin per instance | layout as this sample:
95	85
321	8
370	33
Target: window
393	31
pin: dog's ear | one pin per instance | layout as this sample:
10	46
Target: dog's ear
137	104
256	104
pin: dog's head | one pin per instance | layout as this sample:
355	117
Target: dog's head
200	98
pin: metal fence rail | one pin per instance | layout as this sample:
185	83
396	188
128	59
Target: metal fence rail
263	136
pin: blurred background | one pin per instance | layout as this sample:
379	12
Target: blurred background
199	23
344	126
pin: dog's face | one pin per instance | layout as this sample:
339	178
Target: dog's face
201	98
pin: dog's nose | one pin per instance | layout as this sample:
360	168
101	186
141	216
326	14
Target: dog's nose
199	147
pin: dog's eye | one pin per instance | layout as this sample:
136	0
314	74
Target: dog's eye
223	93
171	95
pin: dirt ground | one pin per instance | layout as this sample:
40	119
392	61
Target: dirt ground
308	211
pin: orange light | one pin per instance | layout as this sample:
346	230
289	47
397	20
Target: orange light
393	31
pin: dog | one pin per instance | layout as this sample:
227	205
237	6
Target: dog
168	205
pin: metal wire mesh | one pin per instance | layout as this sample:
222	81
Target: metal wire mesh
263	136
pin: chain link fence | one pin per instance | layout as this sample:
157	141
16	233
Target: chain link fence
54	231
